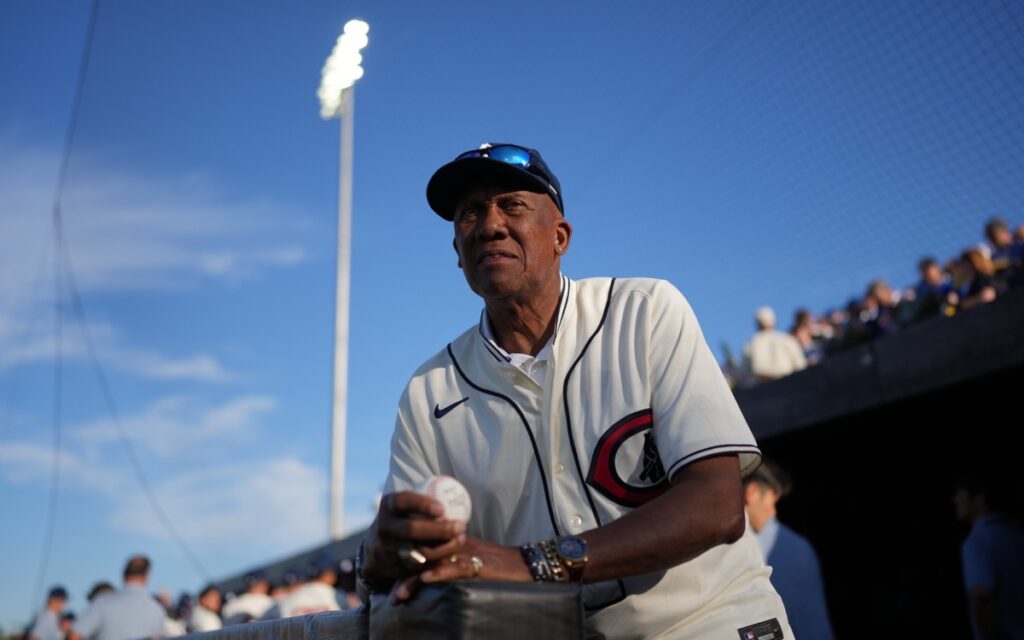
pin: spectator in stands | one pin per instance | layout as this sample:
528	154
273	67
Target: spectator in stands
804	332
47	623
128	614
1018	234
1007	256
347	585
99	589
796	573
977	284
880	310
934	294
252	604
836	321
172	625
67	619
993	560
316	595
206	614
771	354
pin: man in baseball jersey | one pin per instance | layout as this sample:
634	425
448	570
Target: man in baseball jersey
590	423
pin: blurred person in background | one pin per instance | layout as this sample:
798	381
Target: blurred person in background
796	572
347	584
206	614
1007	255
1018	234
976	282
172	625
880	310
318	594
252	604
934	294
128	614
291	581
46	626
993	558
771	354
804	332
67	619
99	589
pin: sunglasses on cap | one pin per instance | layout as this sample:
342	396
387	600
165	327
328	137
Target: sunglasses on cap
495	159
507	153
521	157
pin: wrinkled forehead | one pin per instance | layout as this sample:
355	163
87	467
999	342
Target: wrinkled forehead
492	188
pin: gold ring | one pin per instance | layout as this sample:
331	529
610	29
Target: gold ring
478	564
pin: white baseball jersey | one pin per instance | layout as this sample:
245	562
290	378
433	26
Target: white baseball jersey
312	597
631	395
203	619
247	605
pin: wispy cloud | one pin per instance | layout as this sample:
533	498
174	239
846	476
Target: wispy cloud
177	425
24	462
278	501
126	231
222	497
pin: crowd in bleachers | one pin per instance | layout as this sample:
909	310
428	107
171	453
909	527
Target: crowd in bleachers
979	275
133	612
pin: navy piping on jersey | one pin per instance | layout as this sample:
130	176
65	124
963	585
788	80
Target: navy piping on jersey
500	357
526	425
572	441
708	452
500	354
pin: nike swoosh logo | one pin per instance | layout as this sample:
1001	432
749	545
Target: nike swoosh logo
440	413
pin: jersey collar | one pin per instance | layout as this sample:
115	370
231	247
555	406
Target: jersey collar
545	353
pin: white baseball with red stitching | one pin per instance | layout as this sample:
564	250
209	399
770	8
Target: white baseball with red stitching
451	494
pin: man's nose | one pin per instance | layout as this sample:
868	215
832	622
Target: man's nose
492	221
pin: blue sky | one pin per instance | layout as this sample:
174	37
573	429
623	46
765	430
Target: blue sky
774	152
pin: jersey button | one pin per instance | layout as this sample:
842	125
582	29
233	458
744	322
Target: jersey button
559	468
576	522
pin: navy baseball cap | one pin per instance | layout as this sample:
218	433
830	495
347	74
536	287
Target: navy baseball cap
321	565
521	165
58	592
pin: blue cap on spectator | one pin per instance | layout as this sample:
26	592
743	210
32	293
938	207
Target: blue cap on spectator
321	565
292	575
253	577
58	592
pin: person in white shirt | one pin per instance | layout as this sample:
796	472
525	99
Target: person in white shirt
206	615
252	604
590	424
47	624
771	354
315	596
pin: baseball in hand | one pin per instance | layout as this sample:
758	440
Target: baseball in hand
451	494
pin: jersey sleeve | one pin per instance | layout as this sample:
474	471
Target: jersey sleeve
694	411
412	459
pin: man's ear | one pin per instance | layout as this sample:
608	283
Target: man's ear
455	246
563	233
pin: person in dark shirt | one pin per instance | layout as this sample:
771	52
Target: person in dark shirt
977	284
934	294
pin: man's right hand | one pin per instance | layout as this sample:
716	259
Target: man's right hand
410	520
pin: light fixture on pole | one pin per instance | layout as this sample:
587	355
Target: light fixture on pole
337	100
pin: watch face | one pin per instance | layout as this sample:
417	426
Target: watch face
572	548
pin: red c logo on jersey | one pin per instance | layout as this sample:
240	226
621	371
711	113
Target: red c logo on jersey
604	472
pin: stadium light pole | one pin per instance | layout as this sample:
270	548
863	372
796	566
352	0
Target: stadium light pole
337	100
